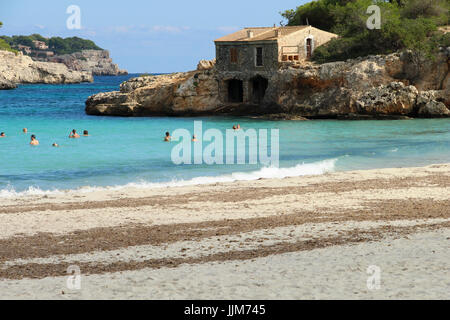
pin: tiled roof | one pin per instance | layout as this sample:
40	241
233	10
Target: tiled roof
260	34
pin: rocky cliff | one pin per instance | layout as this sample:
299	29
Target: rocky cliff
15	69
380	87
98	62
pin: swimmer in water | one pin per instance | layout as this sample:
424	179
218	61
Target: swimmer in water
34	141
74	134
55	145
2	135
194	138
25	130
85	133
168	138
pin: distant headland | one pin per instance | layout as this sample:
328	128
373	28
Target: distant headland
36	59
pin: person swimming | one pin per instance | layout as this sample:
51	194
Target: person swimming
194	138
55	145
168	138
2	135
234	128
74	134
34	141
86	133
24	130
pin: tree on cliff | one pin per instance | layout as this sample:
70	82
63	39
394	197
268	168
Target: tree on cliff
56	44
405	25
71	45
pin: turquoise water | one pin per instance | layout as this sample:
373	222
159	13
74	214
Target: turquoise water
124	151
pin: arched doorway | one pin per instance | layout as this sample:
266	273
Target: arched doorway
259	86
235	91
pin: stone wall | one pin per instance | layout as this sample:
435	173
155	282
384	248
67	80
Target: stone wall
298	40
247	56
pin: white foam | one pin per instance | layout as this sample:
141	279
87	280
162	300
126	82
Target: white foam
304	169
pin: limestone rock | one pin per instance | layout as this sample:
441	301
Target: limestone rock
173	94
22	69
433	109
98	62
430	104
206	65
6	84
374	87
395	98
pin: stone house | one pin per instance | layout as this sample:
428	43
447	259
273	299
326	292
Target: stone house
40	45
248	58
24	49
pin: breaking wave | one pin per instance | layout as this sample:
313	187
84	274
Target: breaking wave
304	169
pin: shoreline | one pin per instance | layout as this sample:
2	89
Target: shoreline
162	242
226	178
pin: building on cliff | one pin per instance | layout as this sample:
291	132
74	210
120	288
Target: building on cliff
40	45
247	58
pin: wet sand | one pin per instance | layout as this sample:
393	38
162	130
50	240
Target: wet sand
244	240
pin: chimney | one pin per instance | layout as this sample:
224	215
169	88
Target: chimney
249	34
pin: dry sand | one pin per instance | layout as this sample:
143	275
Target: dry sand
296	238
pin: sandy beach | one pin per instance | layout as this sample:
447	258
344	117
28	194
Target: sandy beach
310	237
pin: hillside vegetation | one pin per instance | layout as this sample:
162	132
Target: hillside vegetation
56	44
405	25
5	45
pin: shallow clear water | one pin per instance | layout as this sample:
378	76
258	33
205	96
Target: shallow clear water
123	151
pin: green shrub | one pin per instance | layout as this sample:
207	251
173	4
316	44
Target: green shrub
405	25
6	47
56	44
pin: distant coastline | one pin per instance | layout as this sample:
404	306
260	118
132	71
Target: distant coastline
36	59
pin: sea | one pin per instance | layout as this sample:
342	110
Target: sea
130	152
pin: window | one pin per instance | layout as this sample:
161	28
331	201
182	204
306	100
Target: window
233	55
259	57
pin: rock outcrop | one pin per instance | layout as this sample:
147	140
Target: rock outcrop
375	87
206	65
6	84
15	69
176	94
98	62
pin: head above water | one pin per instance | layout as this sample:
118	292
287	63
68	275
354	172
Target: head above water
74	131
2	134
167	134
25	130
33	137
85	132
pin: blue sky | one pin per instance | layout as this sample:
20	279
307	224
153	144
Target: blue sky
145	36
